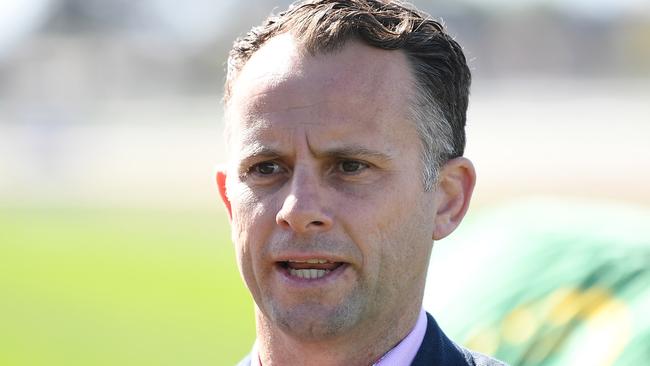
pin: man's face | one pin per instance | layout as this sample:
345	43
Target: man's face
331	224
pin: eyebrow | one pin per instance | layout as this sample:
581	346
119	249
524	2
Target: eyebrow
258	151
354	151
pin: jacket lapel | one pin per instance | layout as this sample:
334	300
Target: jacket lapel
437	349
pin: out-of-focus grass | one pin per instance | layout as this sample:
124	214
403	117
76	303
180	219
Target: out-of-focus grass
89	286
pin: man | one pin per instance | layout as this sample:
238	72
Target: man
345	130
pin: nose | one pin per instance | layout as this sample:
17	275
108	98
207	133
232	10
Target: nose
304	209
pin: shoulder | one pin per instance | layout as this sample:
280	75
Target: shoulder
478	359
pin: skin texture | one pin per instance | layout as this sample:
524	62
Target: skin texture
325	164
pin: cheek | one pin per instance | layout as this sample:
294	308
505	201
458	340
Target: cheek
247	230
400	257
248	213
252	224
394	236
248	239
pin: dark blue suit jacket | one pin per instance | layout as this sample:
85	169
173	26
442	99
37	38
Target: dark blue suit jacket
438	350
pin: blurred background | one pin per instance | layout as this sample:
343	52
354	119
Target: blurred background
114	248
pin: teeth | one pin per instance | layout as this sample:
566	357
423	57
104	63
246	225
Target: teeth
310	261
309	274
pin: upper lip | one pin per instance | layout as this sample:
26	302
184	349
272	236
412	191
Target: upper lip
306	257
310	261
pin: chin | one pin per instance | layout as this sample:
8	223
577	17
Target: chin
313	321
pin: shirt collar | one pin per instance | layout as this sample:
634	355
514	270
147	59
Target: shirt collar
402	354
405	351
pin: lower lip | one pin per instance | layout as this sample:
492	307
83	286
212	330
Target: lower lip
307	282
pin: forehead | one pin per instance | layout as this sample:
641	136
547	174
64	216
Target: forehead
281	60
355	87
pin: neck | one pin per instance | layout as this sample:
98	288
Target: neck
362	346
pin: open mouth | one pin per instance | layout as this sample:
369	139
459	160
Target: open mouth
310	269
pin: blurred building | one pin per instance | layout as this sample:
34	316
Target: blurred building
91	89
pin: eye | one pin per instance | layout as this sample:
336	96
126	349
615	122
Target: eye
266	168
352	166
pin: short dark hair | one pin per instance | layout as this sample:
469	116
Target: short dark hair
440	70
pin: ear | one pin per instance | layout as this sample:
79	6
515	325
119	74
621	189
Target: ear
453	192
221	186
